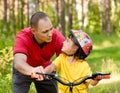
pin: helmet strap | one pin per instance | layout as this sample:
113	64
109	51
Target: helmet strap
69	54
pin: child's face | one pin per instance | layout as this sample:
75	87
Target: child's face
69	47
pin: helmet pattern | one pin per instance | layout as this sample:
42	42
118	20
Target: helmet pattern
84	40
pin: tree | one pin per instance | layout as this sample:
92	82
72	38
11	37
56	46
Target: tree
70	14
33	6
5	15
105	15
63	17
14	18
82	11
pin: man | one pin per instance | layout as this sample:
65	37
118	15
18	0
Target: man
34	46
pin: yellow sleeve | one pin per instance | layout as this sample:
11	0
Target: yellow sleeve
58	61
87	71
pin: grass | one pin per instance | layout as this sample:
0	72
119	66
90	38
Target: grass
111	85
106	88
103	58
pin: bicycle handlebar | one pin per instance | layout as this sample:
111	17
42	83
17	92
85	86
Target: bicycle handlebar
92	76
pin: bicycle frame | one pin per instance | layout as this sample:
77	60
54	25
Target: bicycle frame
71	84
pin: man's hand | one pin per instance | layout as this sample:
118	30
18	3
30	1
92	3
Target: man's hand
34	74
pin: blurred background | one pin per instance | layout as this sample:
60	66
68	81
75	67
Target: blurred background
99	18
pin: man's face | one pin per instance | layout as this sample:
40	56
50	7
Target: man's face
43	33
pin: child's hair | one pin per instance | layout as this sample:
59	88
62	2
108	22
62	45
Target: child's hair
83	41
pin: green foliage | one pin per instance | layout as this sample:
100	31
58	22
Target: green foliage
94	18
1	25
6	39
5	83
5	60
5	69
75	24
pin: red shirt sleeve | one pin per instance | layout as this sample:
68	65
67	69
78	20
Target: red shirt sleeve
20	45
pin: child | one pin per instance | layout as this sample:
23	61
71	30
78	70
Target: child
71	63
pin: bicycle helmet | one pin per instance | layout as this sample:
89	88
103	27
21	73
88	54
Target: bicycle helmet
84	41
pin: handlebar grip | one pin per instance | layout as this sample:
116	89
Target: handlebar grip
36	76
106	77
33	76
103	77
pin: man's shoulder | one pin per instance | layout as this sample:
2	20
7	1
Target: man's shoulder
25	35
56	32
58	35
25	31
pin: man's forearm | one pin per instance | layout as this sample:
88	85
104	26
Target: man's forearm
21	65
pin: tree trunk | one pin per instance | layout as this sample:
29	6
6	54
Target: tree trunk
59	14
63	17
70	14
22	16
79	8
102	14
14	18
55	12
28	17
113	15
85	10
33	7
107	16
5	15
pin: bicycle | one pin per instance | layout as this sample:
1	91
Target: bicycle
72	84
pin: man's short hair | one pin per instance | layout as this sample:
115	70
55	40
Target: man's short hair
36	17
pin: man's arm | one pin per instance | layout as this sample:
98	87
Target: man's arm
20	64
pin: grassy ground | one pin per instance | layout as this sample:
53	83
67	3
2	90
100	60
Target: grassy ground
103	58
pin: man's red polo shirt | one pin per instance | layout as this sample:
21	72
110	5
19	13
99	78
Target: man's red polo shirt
37	56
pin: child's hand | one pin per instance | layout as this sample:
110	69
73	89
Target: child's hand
99	77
